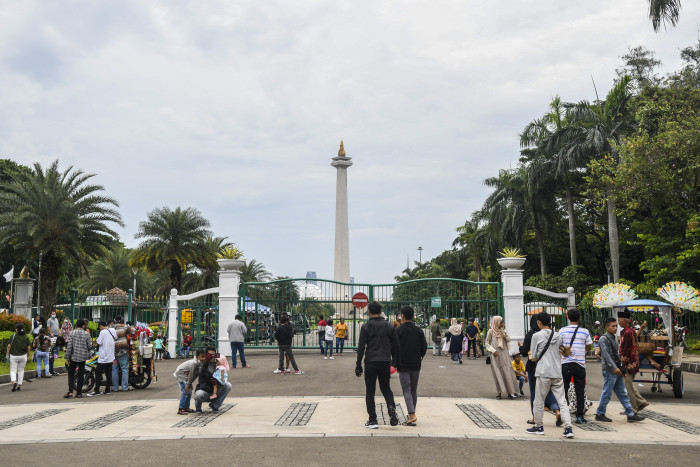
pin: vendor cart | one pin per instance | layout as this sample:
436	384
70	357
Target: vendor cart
660	345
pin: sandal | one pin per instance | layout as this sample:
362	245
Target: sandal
530	422
68	395
498	397
182	412
78	396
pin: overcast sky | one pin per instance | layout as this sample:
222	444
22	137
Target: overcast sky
236	108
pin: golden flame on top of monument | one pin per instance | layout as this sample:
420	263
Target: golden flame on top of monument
341	151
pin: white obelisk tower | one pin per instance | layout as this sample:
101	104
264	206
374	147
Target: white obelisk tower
341	270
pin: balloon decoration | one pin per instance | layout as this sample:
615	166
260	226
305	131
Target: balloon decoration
681	295
613	294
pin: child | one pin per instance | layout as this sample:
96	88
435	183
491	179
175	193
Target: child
519	368
186	374
330	336
220	376
158	343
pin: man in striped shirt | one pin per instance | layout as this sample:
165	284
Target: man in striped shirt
578	341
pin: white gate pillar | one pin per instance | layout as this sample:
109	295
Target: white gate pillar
173	344
229	280
513	305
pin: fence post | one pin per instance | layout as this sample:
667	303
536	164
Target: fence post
73	294
513	304
172	324
128	308
229	281
570	298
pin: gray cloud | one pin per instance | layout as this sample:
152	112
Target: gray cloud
237	107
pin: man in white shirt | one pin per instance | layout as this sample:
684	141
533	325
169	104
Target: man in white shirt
578	341
105	358
236	334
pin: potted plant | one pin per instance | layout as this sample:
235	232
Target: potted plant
231	258
511	258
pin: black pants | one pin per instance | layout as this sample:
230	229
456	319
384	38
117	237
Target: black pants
105	368
374	371
72	367
579	374
470	346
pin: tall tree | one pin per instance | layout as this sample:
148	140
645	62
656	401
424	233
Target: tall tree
596	130
254	271
173	239
664	11
110	270
205	274
59	215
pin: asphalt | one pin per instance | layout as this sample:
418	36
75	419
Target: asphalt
250	432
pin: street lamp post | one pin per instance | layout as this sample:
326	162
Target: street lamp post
134	270
420	254
608	265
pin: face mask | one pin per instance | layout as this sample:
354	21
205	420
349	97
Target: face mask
53	316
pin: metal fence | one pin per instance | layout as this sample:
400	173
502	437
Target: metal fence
306	300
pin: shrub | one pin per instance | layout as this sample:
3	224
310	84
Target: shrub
8	322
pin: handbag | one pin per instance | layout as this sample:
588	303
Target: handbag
566	351
488	359
587	404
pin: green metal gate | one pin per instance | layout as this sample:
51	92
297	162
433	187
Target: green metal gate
200	319
305	300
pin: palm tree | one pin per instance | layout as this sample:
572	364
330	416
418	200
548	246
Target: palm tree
253	271
173	240
59	215
595	130
206	274
663	11
536	134
109	271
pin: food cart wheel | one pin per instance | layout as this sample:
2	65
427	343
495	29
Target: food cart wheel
678	383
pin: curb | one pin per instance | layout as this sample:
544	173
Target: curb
691	367
4	379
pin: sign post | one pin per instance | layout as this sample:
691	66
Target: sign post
436	302
360	300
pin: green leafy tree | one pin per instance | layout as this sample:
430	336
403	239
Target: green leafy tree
60	215
173	240
664	11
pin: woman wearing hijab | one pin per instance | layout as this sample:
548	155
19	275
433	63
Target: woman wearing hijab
18	349
550	401
456	337
497	342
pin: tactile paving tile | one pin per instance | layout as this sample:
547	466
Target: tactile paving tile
672	422
298	414
108	419
202	419
592	426
383	414
482	417
30	418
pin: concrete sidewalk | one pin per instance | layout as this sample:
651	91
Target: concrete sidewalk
108	419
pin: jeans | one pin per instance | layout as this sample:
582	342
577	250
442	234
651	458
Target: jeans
612	382
382	372
42	360
321	343
123	363
339	343
237	347
184	396
185	351
329	348
576	371
409	386
550	400
200	396
472	346
521	379
543	388
17	364
159	354
72	367
287	349
105	368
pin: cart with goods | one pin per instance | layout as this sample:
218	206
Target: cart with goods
136	341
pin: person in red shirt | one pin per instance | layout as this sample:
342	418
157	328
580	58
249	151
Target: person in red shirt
186	346
322	335
629	354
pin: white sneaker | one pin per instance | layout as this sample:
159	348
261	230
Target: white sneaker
325	358
332	358
287	370
278	371
299	372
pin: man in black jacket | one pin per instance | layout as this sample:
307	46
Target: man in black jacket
379	346
412	348
284	335
205	385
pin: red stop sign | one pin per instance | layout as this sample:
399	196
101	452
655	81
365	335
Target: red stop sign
360	300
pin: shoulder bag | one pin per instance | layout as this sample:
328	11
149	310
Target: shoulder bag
566	351
546	347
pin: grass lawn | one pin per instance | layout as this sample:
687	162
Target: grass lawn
5	367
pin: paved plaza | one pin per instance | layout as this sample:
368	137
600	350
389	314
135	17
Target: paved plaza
457	405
